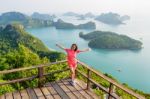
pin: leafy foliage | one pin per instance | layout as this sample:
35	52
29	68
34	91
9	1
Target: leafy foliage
5	88
24	57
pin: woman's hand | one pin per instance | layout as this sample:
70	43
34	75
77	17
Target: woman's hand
88	49
57	44
85	50
60	46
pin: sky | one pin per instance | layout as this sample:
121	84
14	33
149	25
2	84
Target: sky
80	6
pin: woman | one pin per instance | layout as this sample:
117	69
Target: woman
71	58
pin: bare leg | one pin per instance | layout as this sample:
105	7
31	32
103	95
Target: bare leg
73	72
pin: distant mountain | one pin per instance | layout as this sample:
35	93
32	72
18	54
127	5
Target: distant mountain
124	18
1	28
17	17
60	24
10	17
70	14
110	40
39	16
112	18
88	25
84	16
14	35
80	16
89	15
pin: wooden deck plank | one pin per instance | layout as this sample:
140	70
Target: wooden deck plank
8	96
24	94
74	90
39	93
31	93
57	97
59	90
53	91
83	86
46	93
16	95
67	91
62	89
83	92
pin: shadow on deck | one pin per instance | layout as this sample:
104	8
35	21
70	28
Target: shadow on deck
62	89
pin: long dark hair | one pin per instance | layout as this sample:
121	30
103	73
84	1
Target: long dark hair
75	46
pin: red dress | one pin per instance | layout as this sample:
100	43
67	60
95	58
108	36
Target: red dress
71	57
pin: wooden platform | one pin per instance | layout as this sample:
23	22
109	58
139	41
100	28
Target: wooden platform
62	89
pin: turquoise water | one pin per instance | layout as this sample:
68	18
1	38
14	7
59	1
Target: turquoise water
134	65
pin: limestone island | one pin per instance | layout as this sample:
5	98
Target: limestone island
112	18
60	24
110	40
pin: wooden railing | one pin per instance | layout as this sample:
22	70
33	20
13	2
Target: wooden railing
112	83
39	75
88	76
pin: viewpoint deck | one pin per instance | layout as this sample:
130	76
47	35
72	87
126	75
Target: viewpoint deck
61	89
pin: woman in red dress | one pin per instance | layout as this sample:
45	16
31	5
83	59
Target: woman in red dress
71	58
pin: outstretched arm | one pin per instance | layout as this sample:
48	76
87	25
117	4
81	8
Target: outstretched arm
85	50
60	46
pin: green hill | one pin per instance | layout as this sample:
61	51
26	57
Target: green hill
110	40
20	49
14	35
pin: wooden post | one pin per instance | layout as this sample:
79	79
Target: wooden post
76	73
88	79
40	76
110	91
